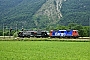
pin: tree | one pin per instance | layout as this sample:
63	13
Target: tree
15	34
72	25
1	33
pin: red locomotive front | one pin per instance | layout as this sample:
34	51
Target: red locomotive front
75	33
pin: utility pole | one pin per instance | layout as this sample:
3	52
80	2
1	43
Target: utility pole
3	31
16	28
89	28
9	32
10	29
22	28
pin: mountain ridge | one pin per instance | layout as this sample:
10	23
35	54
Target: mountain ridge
42	13
51	10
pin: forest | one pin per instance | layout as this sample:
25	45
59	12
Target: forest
76	11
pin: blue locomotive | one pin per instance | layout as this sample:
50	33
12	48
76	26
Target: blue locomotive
64	33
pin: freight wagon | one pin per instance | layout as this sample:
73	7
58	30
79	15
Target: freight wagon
29	34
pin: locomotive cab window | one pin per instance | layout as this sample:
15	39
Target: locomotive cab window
68	31
62	31
75	32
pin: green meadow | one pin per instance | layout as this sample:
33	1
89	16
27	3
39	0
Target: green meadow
44	50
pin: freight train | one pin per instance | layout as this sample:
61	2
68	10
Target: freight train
52	34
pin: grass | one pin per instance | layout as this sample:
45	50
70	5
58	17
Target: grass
44	50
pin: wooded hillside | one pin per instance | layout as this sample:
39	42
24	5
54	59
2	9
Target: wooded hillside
22	13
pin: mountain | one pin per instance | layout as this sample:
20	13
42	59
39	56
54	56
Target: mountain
49	13
19	12
76	11
42	13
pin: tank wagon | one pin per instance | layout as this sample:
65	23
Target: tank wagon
29	34
52	34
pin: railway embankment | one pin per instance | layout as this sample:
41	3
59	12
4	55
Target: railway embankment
11	38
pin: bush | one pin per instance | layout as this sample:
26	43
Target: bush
15	34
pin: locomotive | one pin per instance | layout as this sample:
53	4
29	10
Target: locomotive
52	34
64	33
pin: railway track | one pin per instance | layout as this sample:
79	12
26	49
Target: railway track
8	38
84	38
